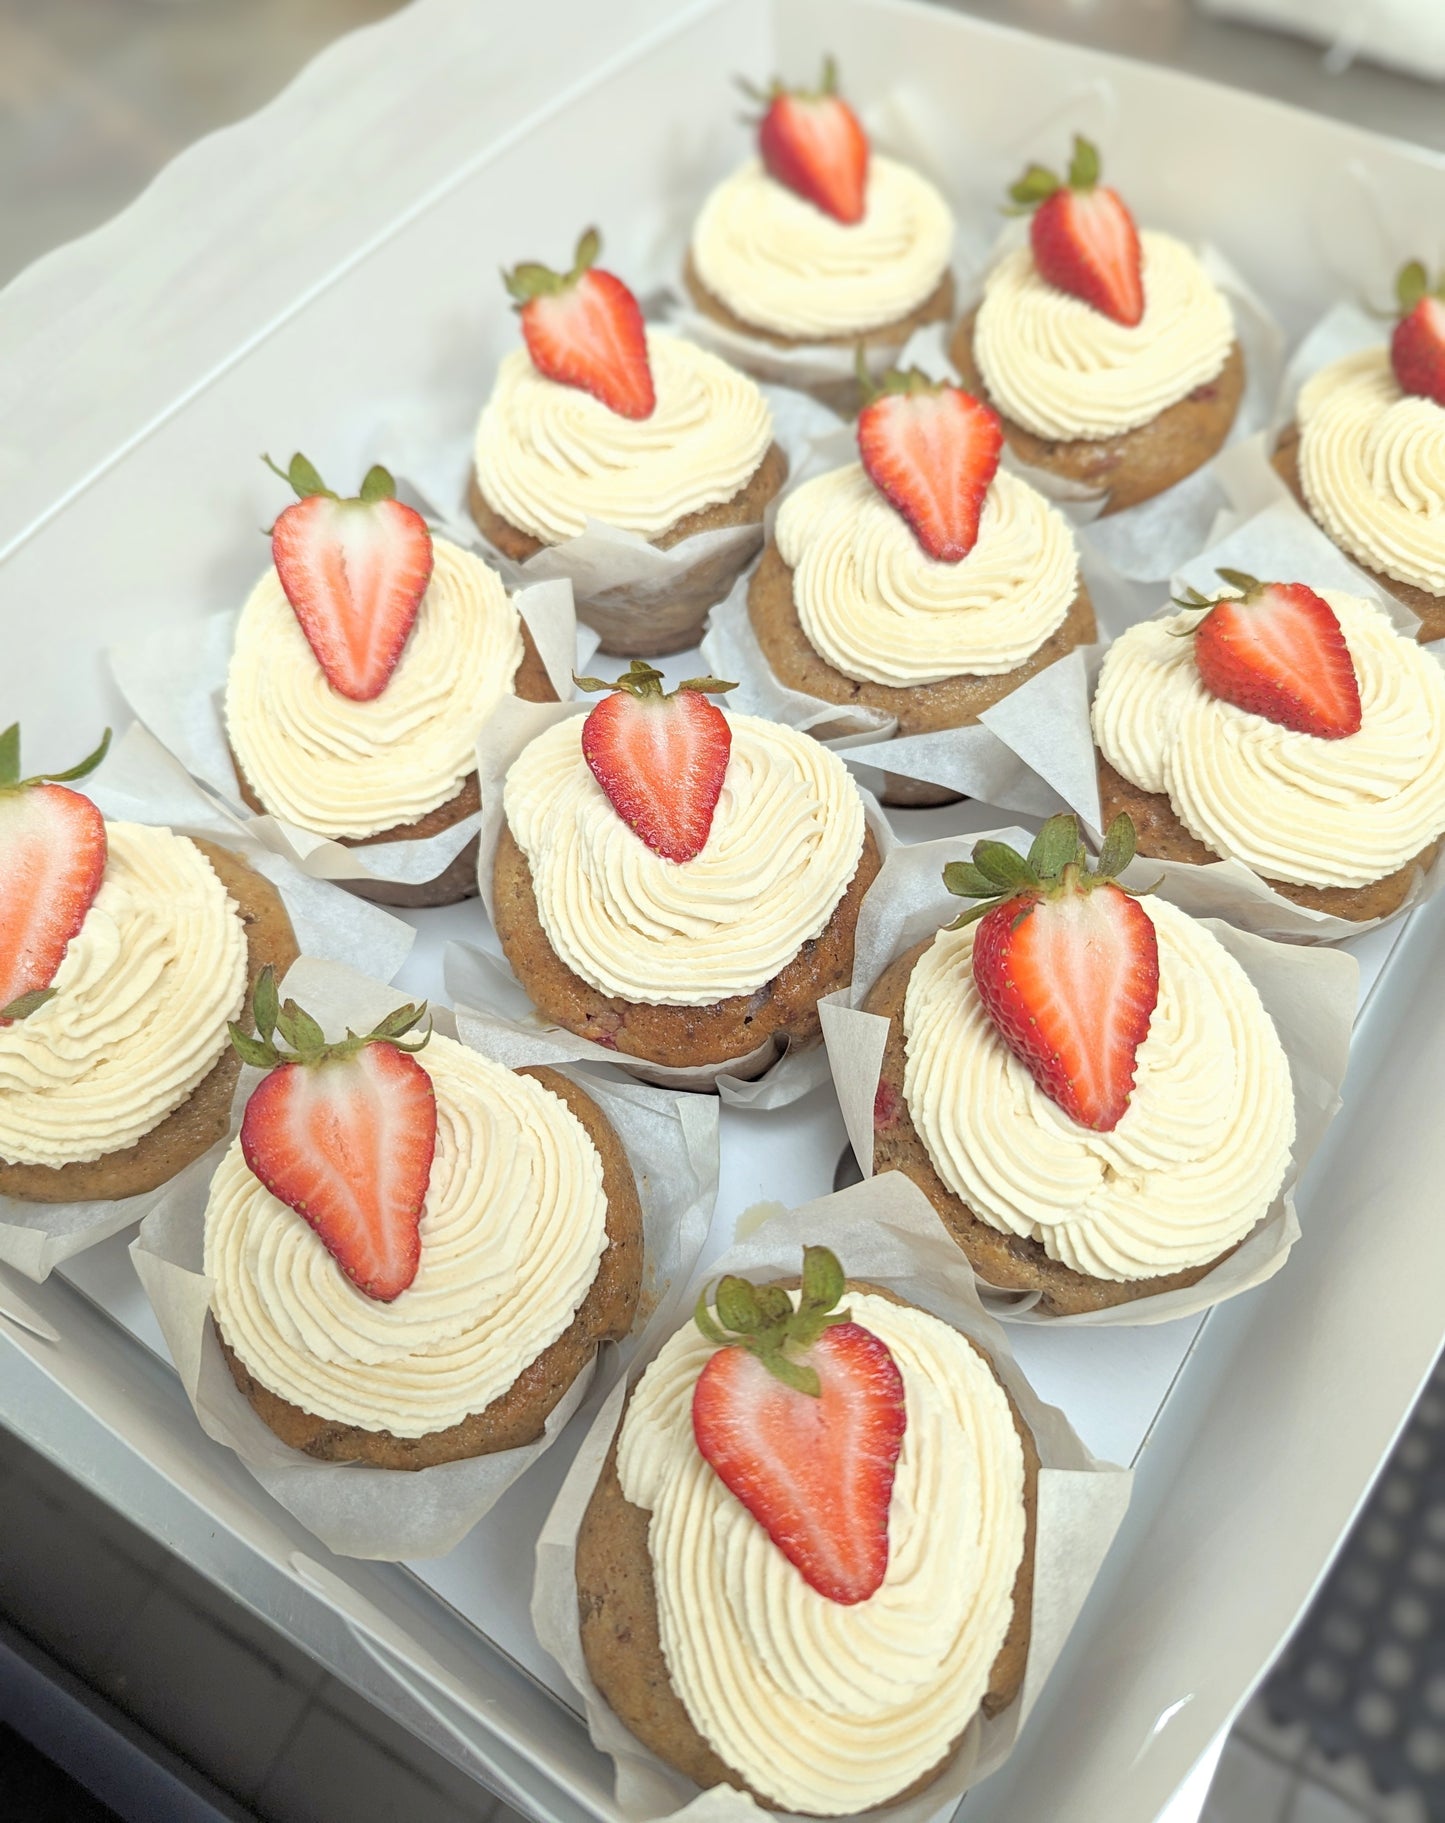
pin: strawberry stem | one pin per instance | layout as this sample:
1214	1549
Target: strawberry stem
1039	183
27	1004
10	779
303	1040
304	480
531	279
643	680
1057	861
763	1320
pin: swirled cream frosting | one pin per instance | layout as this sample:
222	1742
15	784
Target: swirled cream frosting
785	842
875	605
1196	1160
1063	369
822	1708
1372	464
551	457
141	1005
780	263
344	768
512	1231
1291	806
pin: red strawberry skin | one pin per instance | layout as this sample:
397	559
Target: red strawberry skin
1417	350
1281	653
591	336
1071	981
816	1473
661	762
816	146
933	453
355	573
52	860
348	1144
1085	242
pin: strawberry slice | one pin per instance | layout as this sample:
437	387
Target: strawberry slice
584	328
932	450
1066	963
812	142
344	1134
354	571
660	759
52	860
1083	236
1277	649
801	1414
1417	348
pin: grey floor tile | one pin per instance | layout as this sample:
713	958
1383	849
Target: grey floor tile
1256	1725
364	1716
330	1769
1318	1804
1350	1780
62	1489
1249	1787
241	1625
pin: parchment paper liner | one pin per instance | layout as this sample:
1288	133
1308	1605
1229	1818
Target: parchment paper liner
141	783
394	1514
885	1232
1311	995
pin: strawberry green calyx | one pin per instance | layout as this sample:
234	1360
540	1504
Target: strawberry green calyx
302	1039
304	480
1038	183
1057	862
26	1004
1413	283
826	89
643	680
10	779
533	280
1248	588
762	1319
903	381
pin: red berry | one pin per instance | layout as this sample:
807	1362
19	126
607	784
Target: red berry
1278	651
584	328
813	142
932	450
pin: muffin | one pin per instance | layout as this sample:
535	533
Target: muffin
898	1578
124	953
1110	354
599	418
1085	1085
1365	456
1294	731
414	1251
365	661
819	242
677	884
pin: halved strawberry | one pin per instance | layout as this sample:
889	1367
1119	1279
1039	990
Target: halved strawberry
812	142
1417	348
801	1414
932	450
1066	963
584	328
354	571
1083	236
661	759
1277	649
344	1134
52	860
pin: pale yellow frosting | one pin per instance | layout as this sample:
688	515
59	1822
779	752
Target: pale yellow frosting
1063	369
781	263
512	1232
823	1708
141	1005
344	768
1292	806
879	609
1197	1158
1372	462
784	844
551	457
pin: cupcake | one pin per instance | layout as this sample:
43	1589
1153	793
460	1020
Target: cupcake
1085	1085
807	1565
599	418
819	242
414	1251
1110	354
125	951
922	581
364	664
1294	731
1366	454
677	884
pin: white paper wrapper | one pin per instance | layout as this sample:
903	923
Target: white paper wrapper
884	1232
394	1514
141	783
1310	994
768	1077
175	678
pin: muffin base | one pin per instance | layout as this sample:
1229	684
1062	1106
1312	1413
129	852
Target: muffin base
1134	465
516	1417
1429	608
678	624
1162	837
621	1641
676	1037
205	1115
1008	1261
